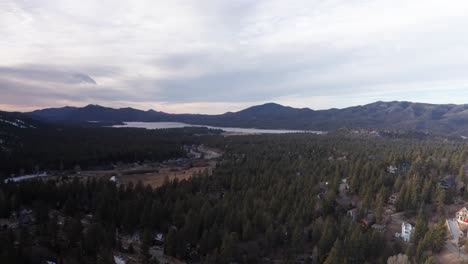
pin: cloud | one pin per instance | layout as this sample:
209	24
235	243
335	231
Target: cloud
211	56
84	78
44	74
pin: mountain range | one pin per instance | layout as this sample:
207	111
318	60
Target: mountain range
436	118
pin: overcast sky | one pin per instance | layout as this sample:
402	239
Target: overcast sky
215	56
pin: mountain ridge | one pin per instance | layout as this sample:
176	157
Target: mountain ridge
440	118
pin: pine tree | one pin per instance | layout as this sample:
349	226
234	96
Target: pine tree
145	245
420	228
227	248
336	253
440	199
3	205
461	177
170	243
105	257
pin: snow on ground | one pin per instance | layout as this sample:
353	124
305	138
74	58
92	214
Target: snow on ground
17	123
118	260
26	177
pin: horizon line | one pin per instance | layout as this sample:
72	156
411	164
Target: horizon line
255	105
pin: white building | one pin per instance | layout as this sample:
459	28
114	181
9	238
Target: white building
462	216
406	231
392	169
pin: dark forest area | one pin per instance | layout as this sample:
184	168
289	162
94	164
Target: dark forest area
270	198
26	151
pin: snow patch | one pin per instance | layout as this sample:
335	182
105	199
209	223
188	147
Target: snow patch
18	123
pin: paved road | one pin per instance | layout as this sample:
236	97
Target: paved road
454	250
454	235
454	230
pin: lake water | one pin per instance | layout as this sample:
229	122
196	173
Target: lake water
161	125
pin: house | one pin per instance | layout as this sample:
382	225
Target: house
392	169
159	239
462	216
393	198
129	241
447	183
378	228
406	231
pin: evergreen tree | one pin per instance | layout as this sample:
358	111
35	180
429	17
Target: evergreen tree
171	243
336	253
420	228
145	245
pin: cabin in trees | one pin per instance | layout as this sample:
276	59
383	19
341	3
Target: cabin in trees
462	216
392	169
447	183
159	239
379	228
406	231
393	198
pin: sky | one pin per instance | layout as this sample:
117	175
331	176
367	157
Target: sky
215	56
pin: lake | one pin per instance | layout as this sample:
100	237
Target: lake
162	125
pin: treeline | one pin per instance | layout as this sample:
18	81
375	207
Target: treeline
272	197
70	147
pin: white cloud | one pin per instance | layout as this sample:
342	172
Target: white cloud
211	56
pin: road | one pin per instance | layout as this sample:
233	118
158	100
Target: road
454	250
454	230
454	235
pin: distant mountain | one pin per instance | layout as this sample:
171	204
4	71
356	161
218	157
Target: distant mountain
447	118
95	113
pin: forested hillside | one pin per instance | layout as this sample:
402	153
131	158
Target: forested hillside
68	147
272	197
